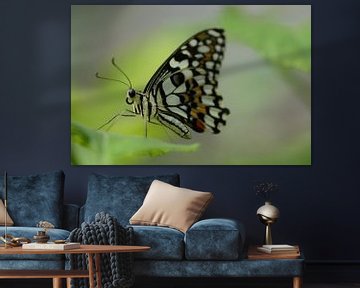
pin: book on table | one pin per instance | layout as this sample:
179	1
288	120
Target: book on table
254	253
278	249
51	246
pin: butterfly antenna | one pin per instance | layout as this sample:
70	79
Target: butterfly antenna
97	75
117	67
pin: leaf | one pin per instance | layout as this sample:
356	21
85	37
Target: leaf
91	147
287	46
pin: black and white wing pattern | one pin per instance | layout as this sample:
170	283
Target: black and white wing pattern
182	93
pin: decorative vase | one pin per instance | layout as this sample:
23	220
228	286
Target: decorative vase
41	237
268	214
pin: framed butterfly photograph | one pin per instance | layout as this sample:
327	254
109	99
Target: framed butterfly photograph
191	85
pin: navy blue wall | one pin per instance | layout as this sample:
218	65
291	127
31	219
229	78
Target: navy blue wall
318	203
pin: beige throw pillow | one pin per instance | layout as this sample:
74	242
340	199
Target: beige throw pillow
9	221
170	206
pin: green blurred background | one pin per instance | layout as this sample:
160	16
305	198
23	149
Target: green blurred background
265	81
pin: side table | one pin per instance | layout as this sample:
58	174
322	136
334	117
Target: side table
288	259
94	268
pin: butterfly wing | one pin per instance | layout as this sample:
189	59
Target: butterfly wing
184	87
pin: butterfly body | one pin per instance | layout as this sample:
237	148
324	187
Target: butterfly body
182	92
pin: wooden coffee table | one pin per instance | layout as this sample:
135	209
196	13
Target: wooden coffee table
92	251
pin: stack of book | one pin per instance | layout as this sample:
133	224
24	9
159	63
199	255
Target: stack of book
279	249
282	251
51	246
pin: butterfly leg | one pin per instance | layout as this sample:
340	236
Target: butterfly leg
146	117
131	113
109	121
145	123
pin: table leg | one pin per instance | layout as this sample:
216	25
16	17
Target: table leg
98	270
91	270
68	282
57	283
297	282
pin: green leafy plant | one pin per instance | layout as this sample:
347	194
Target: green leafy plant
91	147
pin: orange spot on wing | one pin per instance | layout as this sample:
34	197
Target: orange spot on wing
200	126
202	36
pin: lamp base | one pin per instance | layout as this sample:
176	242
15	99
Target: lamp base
268	237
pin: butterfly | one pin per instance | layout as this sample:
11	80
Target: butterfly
182	92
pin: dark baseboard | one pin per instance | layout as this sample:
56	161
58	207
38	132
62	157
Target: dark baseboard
314	272
332	271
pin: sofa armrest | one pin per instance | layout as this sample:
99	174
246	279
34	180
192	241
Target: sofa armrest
215	239
82	214
71	216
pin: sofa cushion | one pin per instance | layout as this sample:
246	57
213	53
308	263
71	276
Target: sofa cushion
170	206
9	221
214	239
29	232
120	196
35	198
165	243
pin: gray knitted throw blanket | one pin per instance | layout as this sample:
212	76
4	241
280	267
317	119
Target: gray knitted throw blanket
116	268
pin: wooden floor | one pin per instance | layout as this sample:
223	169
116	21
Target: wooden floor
45	283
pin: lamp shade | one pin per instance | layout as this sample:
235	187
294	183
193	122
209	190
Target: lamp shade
268	211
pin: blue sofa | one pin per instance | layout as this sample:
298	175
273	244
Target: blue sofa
32	199
210	248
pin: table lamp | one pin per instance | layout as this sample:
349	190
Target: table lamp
268	214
